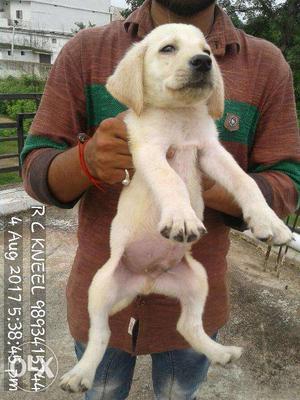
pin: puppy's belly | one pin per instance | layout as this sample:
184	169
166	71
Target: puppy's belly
152	255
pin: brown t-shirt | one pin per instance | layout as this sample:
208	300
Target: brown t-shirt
258	127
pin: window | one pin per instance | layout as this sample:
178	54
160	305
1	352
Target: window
54	40
45	58
22	53
9	52
19	14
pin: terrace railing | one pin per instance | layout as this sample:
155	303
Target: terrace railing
18	125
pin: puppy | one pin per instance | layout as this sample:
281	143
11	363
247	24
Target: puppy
174	90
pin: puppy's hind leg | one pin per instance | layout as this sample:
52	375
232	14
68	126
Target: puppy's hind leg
188	282
112	289
190	322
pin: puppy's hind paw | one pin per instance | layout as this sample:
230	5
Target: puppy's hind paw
227	355
77	380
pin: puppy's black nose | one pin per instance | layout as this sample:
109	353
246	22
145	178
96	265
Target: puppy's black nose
201	63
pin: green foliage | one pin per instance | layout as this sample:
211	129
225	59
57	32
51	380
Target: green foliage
81	25
10	109
277	22
132	5
8	147
25	84
20	106
10	178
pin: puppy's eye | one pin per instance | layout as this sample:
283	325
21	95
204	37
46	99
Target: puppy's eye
167	49
206	51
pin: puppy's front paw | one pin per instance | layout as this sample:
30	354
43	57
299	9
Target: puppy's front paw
77	379
181	226
266	226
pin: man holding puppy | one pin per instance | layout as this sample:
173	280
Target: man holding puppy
258	127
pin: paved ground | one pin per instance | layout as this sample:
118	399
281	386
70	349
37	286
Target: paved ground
265	320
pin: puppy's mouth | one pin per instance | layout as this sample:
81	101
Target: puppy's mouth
191	82
197	84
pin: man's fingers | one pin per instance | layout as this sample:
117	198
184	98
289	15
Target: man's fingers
115	127
124	161
122	115
122	148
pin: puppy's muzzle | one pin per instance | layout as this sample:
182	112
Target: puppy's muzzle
200	63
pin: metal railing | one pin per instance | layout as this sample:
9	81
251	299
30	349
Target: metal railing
18	125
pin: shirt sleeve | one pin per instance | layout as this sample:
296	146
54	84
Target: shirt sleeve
275	155
274	159
59	119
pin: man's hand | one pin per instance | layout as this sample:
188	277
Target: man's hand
107	153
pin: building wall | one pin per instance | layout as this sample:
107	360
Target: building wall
61	19
18	68
19	55
25	6
58	15
46	25
38	41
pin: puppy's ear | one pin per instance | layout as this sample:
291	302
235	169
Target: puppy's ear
126	83
216	100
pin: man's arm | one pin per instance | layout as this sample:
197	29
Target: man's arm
274	160
50	158
106	156
217	198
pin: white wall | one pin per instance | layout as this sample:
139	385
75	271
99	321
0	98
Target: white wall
37	41
17	68
45	16
25	6
28	55
58	15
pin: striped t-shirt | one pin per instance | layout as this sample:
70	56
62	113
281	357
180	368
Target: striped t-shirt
259	129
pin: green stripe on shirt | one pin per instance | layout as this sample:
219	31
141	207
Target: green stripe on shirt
289	168
37	142
245	117
101	105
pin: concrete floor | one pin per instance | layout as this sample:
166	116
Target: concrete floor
265	320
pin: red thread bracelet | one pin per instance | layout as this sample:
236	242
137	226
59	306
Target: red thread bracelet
82	141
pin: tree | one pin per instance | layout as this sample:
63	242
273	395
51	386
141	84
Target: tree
132	5
275	21
81	25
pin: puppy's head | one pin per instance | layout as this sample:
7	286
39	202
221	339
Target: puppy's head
171	67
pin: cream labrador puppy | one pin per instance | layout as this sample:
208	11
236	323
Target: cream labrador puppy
173	87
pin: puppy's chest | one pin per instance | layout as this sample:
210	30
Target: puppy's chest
184	162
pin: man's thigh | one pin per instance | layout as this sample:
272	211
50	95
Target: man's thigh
113	376
178	374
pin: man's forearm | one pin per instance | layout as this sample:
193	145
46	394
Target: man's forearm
66	180
219	199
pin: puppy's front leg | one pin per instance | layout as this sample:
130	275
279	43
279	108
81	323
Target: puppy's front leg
178	219
216	162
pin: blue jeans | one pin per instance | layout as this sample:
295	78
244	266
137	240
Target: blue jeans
176	374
